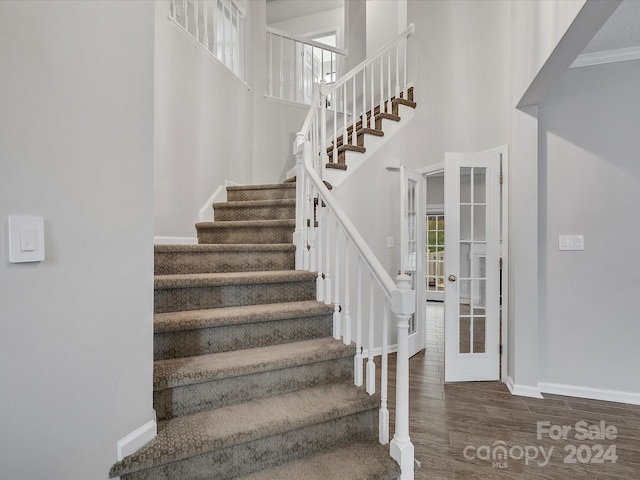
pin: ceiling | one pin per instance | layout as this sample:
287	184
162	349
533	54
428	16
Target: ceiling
622	30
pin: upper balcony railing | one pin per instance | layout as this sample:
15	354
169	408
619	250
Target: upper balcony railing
216	26
297	63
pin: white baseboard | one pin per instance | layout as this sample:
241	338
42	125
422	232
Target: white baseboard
592	393
522	390
137	439
175	240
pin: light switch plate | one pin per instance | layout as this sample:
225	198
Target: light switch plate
26	239
571	242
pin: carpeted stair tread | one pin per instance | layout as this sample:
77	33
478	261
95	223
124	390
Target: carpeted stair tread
358	461
388	116
256	203
226	247
261	192
337	166
259	186
247	231
243	210
246	224
187	436
207	368
402	101
245	314
186	280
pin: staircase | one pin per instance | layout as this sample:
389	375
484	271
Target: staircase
248	382
364	131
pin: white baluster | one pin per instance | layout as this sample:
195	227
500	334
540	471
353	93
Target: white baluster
232	40
320	247
357	367
324	157
327	262
398	70
308	213
389	80
364	98
344	135
337	330
172	9
371	366
185	14
373	99
292	72
206	25
403	305
347	298
312	227
354	136
405	84
281	68
383	426
225	45
334	152
196	16
271	64
382	104
298	234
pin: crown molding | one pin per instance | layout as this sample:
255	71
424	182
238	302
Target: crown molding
608	56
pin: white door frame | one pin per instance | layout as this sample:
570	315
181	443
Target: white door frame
503	150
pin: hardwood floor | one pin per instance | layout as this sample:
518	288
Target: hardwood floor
449	421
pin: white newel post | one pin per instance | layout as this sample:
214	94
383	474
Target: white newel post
403	301
299	146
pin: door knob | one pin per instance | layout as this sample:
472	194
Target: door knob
452	278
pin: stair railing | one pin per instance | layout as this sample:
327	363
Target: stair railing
216	27
350	276
364	93
297	63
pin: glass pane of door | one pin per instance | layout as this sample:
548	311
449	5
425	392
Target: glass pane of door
412	245
435	253
472	245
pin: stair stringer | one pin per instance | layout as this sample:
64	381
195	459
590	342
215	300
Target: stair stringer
355	160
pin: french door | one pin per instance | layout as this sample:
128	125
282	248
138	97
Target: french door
412	241
472	266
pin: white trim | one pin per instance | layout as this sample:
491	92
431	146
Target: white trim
175	240
308	41
522	390
592	393
284	101
608	56
175	24
137	439
504	253
435	209
206	213
431	169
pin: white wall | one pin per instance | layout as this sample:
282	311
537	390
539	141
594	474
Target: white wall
273	124
385	20
76	136
203	131
589	177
